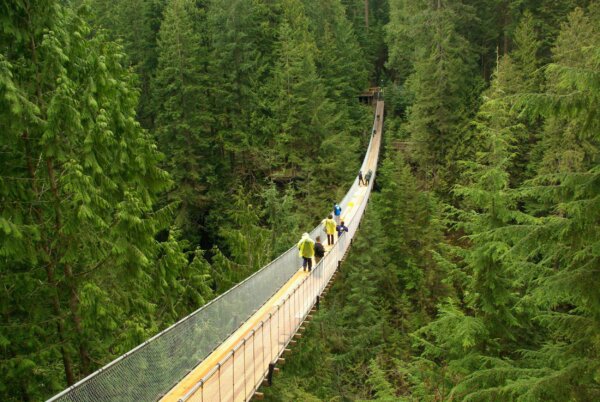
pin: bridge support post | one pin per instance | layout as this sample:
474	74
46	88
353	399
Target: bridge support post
318	301
270	374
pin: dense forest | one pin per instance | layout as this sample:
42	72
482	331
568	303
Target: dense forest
156	152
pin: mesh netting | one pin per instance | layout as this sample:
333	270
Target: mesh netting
150	370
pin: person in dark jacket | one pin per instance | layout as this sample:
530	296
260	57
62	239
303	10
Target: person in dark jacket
341	228
319	250
368	176
360	178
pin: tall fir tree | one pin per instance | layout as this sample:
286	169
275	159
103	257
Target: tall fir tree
242	36
183	121
341	65
135	24
441	86
299	106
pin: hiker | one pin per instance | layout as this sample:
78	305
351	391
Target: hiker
337	212
341	228
368	176
319	250
306	247
360	178
329	224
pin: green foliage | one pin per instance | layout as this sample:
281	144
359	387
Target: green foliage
182	116
532	272
441	64
383	390
492	296
135	24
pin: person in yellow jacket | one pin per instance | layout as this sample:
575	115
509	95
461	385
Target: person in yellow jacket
306	247
329	225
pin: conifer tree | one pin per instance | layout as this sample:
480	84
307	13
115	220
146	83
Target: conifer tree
300	109
135	23
489	204
183	117
524	75
564	235
242	36
282	219
342	67
248	243
553	246
409	217
441	85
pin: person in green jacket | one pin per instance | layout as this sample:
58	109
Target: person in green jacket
306	247
329	225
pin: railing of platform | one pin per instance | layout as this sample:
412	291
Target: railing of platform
147	372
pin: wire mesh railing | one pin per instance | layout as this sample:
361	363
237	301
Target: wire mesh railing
147	372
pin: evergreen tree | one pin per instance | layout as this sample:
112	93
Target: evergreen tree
242	36
412	230
489	204
524	75
441	85
283	221
341	65
135	23
183	117
565	234
299	106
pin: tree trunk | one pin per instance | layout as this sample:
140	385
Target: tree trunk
69	278
506	22
60	325
46	249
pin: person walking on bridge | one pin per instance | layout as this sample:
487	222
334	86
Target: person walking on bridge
360	178
319	250
341	228
368	176
329	225
337	212
306	247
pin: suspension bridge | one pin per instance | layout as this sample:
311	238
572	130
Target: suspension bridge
228	348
